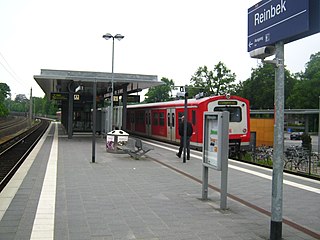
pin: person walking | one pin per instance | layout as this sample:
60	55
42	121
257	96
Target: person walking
189	134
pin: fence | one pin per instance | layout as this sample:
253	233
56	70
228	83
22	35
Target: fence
296	159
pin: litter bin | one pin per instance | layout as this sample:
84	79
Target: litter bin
116	139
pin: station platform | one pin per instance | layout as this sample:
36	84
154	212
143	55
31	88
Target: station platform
58	193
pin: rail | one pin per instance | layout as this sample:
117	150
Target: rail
14	152
13	125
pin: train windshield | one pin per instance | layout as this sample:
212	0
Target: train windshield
235	113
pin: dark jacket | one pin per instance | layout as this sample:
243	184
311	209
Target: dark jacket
189	129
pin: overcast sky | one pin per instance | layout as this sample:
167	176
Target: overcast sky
168	38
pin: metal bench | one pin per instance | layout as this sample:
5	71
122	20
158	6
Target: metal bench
136	149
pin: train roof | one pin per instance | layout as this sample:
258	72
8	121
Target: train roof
191	102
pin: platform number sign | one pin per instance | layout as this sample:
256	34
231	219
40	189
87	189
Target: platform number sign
76	97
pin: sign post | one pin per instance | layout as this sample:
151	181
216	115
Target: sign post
185	123
277	174
270	22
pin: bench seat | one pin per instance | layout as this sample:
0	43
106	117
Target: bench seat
136	149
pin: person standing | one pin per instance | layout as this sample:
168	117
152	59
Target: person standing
181	133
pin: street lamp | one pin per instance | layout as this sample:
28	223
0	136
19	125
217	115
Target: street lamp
107	37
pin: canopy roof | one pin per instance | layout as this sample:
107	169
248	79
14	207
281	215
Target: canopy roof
64	80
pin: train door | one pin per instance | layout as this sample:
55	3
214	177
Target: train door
177	119
196	120
148	122
130	120
171	126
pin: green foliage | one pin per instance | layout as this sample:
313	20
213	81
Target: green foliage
302	90
306	141
218	81
47	107
306	91
313	67
21	98
40	106
259	88
3	110
160	93
4	93
20	104
265	162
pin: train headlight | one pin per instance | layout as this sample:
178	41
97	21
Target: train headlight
244	130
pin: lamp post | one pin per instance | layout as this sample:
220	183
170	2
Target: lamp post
107	37
30	109
319	130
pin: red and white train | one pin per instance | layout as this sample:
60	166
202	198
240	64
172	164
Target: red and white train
161	120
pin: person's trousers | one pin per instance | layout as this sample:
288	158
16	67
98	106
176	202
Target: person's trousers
187	147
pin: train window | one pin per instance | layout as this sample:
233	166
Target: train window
161	119
235	113
155	118
172	122
168	119
149	118
193	117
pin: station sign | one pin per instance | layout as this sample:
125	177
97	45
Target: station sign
59	96
133	98
130	99
271	21
76	97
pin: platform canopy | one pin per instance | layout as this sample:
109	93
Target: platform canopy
52	81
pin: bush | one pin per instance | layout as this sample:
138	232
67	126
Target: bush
306	141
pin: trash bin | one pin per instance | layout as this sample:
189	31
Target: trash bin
116	139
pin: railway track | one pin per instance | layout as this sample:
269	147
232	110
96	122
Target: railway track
15	151
12	126
5	124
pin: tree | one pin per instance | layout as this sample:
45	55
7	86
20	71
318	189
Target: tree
37	105
20	103
48	107
4	93
40	106
160	93
306	91
21	98
259	88
216	82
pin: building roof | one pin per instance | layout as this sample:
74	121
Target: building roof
62	80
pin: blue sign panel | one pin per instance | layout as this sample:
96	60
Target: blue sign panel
270	21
